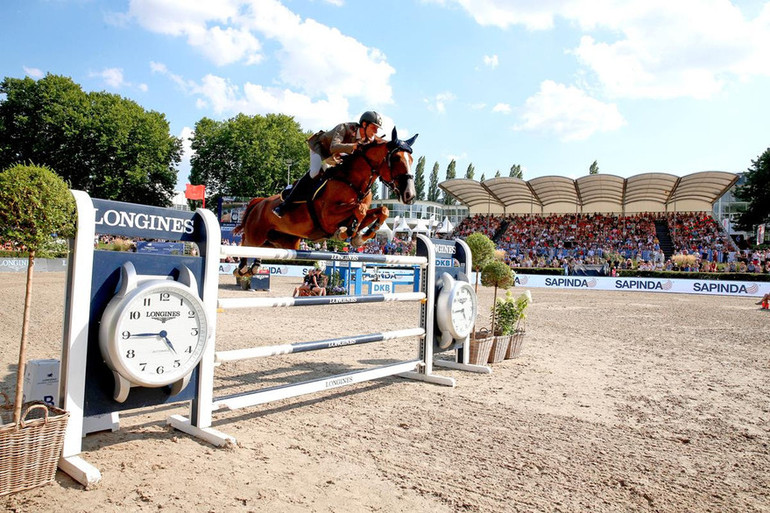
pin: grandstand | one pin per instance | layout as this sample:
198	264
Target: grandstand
603	221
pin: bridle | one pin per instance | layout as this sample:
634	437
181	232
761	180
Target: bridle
398	146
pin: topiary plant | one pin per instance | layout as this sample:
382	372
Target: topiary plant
482	252
497	274
35	205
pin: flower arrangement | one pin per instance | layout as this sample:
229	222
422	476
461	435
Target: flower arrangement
511	312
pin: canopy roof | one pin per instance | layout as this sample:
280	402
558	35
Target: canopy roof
648	192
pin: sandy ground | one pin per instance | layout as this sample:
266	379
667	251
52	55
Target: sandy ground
620	402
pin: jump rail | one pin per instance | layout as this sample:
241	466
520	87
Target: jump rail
277	302
420	368
301	347
290	254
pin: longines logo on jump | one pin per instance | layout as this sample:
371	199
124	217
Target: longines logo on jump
163	316
144	221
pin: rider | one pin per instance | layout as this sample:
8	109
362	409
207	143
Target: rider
326	147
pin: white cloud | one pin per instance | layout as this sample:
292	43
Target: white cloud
491	61
193	19
227	31
502	107
351	70
568	113
33	72
224	98
438	102
648	48
113	77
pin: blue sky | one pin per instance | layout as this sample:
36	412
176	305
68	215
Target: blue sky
639	86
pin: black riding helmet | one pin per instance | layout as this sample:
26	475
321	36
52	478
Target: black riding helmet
370	117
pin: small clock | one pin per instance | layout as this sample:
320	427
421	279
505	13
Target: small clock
456	309
153	331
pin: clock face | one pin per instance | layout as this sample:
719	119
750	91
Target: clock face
463	310
156	334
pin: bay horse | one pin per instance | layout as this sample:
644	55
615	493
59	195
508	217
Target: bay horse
340	206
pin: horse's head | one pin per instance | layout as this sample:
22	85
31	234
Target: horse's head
397	171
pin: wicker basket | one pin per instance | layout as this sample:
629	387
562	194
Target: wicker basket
481	345
517	340
29	451
499	348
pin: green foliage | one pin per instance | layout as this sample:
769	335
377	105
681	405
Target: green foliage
516	172
510	312
470	171
35	204
755	191
247	155
594	168
482	250
433	190
497	274
419	178
101	143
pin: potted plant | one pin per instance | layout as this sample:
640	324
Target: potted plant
35	203
517	312
497	274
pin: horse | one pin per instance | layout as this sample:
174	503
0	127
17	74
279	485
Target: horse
339	208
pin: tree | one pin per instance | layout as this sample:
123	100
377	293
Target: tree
594	169
419	178
34	204
433	190
482	178
497	274
247	155
498	175
101	143
516	172
755	191
482	252
470	171
451	174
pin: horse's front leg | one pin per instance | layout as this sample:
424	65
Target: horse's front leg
369	225
244	270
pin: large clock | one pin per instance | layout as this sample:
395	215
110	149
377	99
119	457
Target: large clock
153	331
456	309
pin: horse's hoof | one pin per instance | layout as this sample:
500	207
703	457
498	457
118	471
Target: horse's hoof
340	234
242	272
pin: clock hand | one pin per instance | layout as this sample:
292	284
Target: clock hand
145	334
163	334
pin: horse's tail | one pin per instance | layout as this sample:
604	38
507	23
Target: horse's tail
253	203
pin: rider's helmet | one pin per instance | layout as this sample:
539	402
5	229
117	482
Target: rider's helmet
370	117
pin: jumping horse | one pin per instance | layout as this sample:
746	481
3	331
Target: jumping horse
339	208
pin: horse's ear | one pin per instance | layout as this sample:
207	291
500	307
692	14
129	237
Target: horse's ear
411	140
394	135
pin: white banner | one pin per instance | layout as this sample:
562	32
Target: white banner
677	286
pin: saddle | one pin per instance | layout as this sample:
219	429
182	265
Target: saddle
306	194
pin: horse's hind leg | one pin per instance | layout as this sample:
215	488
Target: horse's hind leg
369	225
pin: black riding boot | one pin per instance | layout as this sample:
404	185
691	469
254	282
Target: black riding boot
300	190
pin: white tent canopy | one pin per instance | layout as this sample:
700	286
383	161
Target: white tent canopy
421	226
401	226
385	231
445	226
